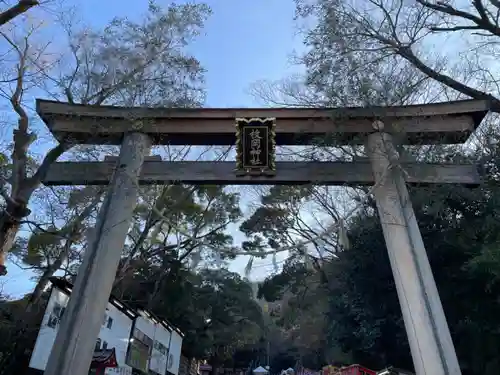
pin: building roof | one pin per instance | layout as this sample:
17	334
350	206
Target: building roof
66	287
394	371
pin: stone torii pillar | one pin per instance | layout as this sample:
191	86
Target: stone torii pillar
73	347
430	341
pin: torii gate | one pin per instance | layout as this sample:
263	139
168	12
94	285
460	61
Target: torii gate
136	129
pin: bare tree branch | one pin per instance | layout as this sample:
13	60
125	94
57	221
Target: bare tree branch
21	7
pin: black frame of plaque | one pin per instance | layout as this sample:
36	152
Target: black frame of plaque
267	160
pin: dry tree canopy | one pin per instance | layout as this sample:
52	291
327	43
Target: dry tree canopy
143	63
451	42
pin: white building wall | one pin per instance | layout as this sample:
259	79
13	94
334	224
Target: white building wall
159	356
175	353
146	326
116	336
47	333
116	332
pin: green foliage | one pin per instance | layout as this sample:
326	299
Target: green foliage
364	310
488	264
283	194
142	62
184	223
40	249
214	308
299	312
78	197
292	278
274	222
4	159
18	330
40	239
363	321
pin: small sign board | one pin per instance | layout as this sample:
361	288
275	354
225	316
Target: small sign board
125	370
255	146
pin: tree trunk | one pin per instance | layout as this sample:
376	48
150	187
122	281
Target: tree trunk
39	288
10	222
151	298
16	10
73	229
44	281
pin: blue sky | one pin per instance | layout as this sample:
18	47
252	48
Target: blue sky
244	41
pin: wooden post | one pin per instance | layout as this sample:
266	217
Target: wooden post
430	341
75	341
